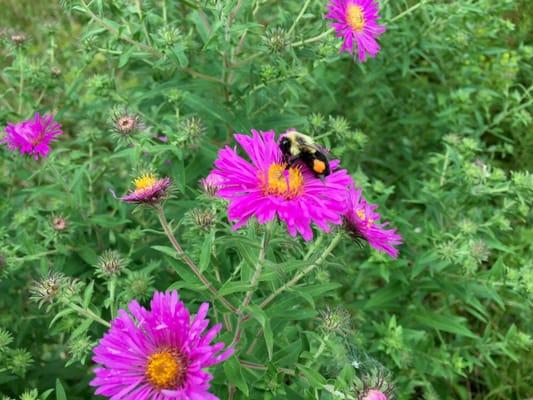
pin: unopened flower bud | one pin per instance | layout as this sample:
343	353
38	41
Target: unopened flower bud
204	219
48	288
110	264
59	224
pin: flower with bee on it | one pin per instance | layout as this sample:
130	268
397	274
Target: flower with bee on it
262	186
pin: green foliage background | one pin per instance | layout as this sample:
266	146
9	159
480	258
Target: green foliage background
437	129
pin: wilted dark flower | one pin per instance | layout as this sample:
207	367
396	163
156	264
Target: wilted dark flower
125	123
55	71
203	218
276	39
110	264
19	38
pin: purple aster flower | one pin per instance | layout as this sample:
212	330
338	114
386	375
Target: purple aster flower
263	187
32	136
361	221
356	22
148	190
375	395
158	354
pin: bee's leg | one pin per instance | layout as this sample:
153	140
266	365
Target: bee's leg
290	161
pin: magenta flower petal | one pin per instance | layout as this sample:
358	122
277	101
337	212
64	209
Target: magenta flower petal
261	187
158	353
362	222
32	136
356	23
374	394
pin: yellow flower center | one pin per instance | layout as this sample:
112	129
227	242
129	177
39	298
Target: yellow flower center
144	181
280	182
166	369
355	17
361	214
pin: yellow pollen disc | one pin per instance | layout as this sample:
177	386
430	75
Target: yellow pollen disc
280	182
361	214
165	370
144	181
355	17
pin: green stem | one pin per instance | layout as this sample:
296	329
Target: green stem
21	81
408	11
140	12
302	11
112	289
305	272
255	278
190	263
313	39
88	313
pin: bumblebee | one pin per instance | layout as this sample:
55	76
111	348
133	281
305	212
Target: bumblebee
296	146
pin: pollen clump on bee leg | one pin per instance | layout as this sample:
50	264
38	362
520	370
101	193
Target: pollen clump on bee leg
319	166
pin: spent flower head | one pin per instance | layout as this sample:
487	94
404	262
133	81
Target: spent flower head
335	320
48	288
18	38
110	264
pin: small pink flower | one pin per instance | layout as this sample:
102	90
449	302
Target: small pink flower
362	222
356	22
159	353
211	184
375	395
148	190
32	136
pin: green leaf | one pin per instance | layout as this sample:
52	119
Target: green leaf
60	392
233	371
445	322
264	321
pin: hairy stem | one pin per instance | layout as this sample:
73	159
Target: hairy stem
313	39
301	13
88	313
190	263
303	273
